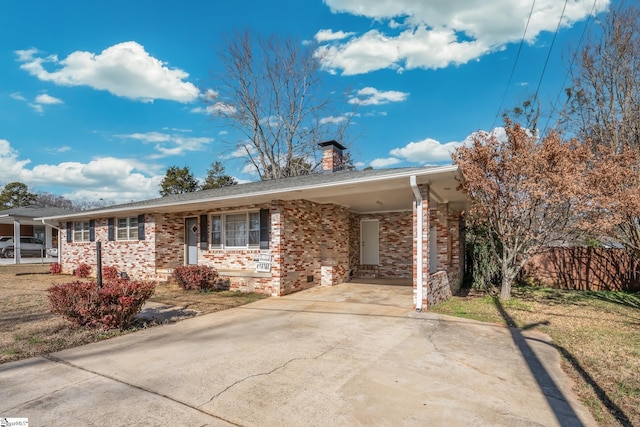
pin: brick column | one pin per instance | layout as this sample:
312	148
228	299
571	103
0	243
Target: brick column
456	248
424	192
443	237
276	246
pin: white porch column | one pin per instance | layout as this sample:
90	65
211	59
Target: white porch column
16	241
48	237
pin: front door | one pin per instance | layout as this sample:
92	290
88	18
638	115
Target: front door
369	242
191	240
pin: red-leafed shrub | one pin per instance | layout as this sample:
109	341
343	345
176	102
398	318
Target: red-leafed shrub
83	270
115	305
55	268
110	272
198	277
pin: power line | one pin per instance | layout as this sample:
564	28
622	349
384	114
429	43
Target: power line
573	59
544	68
513	69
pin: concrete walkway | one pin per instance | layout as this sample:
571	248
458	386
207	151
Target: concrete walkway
354	354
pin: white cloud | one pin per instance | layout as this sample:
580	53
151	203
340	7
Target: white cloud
10	167
438	33
329	35
169	144
384	163
333	120
372	51
109	178
373	96
148	137
241	151
37	108
18	97
58	150
427	151
124	69
39	101
47	99
217	109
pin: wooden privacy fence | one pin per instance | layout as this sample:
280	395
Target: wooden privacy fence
584	268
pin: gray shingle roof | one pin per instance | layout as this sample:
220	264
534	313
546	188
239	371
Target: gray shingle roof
265	186
34	211
259	190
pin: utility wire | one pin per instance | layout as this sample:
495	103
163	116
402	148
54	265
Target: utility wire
535	97
513	69
573	59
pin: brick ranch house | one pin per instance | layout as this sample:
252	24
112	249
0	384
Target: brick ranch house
277	237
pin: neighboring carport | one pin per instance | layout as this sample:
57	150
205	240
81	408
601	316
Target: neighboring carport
16	221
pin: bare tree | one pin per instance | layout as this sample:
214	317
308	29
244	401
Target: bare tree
52	200
605	108
526	194
272	91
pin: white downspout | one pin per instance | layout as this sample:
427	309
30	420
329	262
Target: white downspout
419	249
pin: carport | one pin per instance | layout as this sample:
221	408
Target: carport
24	221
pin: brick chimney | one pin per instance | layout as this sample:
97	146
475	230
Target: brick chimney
332	156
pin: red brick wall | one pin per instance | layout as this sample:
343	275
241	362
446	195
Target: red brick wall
426	215
135	257
439	288
456	265
335	245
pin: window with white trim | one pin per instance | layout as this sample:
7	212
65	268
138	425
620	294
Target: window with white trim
81	231
127	228
236	230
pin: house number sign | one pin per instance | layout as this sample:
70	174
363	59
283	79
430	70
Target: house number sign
264	263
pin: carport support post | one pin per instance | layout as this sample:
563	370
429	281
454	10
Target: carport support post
99	266
16	241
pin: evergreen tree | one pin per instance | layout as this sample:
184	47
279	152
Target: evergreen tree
216	177
16	194
177	181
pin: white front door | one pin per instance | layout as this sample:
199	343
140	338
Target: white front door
369	242
191	240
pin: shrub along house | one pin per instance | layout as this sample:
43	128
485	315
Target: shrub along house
281	236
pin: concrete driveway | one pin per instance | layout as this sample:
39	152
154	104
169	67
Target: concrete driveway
354	354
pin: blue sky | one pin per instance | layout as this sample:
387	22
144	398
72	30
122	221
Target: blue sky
97	99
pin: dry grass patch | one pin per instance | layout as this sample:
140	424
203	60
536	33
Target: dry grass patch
597	334
202	302
28	328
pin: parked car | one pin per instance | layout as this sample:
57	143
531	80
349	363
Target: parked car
28	246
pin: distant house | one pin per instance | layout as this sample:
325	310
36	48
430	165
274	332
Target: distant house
21	222
281	236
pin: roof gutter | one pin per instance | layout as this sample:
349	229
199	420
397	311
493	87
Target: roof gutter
419	249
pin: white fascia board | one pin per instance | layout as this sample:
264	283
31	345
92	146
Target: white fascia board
155	206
